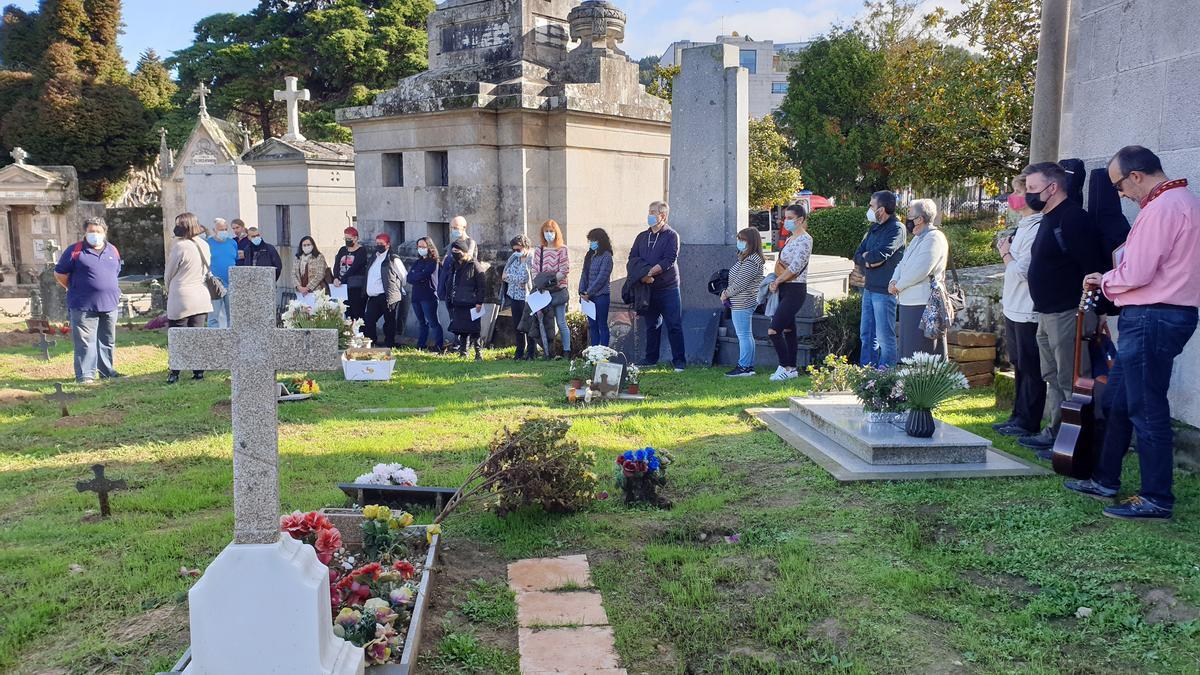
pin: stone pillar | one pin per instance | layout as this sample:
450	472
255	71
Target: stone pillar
1051	73
709	174
8	268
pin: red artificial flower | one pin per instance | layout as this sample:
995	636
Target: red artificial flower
293	524
316	522
406	569
329	539
64	329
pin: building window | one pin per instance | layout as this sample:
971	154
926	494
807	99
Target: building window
750	60
395	230
437	169
440	232
779	87
283	225
393	169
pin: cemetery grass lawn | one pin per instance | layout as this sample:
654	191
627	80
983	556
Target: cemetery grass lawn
981	576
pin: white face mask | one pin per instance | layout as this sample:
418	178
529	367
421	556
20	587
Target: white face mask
95	238
307	250
422	252
871	216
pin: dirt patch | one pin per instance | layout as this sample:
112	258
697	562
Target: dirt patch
222	409
459	563
1163	606
15	396
1001	582
114	418
20	338
165	619
830	631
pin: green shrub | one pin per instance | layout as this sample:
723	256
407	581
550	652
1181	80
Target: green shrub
837	231
838	333
972	245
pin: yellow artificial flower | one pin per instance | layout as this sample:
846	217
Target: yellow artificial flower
432	530
384	514
405	519
393	524
370	512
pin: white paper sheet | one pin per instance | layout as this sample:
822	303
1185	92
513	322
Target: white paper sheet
308	300
476	314
588	308
339	293
537	301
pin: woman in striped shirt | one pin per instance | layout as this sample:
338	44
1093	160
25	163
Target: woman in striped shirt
745	277
791	283
552	256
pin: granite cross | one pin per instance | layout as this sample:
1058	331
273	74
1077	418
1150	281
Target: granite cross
44	345
101	485
19	155
200	92
292	96
61	397
253	350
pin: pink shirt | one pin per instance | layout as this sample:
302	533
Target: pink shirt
1161	262
555	260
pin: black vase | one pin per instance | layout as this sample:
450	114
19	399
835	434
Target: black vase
920	424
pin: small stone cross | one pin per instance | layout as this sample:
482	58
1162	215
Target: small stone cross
45	345
292	96
605	388
101	485
19	155
253	350
61	397
200	92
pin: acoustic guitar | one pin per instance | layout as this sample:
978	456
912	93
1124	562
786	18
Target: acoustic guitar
1077	446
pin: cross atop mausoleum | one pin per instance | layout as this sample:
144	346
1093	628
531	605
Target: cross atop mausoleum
199	93
19	155
292	96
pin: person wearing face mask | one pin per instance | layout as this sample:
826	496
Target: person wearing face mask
552	257
791	283
741	296
1020	320
1156	283
423	277
595	281
385	291
311	271
224	250
924	261
518	280
1067	247
350	270
465	289
258	253
458	232
89	270
658	247
188	299
878	254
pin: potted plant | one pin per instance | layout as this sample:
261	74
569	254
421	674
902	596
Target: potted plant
632	376
574	372
323	312
881	393
640	473
928	381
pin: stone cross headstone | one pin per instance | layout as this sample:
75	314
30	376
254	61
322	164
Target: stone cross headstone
260	351
61	398
292	96
199	93
19	155
45	345
101	485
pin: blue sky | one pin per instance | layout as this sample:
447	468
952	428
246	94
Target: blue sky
166	25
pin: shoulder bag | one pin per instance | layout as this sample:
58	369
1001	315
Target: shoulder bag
216	289
559	296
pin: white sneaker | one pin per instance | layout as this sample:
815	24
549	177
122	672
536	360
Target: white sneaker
791	374
779	375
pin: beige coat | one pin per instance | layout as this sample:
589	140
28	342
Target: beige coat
186	293
316	272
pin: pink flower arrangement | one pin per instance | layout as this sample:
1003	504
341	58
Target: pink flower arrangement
314	529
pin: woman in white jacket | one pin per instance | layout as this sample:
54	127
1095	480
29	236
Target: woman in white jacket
924	259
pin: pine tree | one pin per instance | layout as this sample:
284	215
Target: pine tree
152	83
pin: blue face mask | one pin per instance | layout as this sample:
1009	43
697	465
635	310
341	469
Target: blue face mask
94	238
422	252
741	245
651	220
595	245
789	225
256	240
222	235
549	237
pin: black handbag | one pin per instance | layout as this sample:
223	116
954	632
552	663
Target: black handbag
216	289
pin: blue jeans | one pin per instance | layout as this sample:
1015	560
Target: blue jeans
742	322
598	327
877	329
427	320
1136	400
667	305
219	317
564	331
95	336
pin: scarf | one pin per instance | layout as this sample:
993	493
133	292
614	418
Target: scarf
1163	187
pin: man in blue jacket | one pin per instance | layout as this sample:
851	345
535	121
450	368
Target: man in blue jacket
258	253
877	256
658	247
224	249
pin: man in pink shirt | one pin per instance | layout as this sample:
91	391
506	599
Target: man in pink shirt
1156	283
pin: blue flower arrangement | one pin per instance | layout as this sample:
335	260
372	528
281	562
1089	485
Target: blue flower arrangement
640	472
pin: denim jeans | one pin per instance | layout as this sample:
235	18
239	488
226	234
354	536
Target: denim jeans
219	317
877	329
95	336
1149	339
742	326
667	305
564	331
427	320
598	327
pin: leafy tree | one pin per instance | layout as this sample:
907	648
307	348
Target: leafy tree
646	66
152	84
773	178
22	39
662	81
829	114
338	48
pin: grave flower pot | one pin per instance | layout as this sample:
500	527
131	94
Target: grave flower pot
633	389
576	383
920	424
368	364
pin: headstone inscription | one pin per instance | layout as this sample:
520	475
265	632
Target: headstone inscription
260	569
101	485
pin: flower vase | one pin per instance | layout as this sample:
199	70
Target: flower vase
920	424
576	383
632	389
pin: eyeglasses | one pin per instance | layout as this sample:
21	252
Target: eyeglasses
1117	185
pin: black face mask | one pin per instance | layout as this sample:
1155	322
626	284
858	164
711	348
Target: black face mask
349	242
380	248
458	255
1034	200
910	225
181	230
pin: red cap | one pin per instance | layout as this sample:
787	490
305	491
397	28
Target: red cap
350	232
384	238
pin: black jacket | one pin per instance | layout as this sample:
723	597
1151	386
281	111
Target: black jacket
263	255
350	268
1067	248
634	293
467	284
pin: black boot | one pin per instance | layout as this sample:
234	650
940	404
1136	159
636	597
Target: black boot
475	343
197	374
173	377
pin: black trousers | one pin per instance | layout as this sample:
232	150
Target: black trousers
193	321
377	307
356	303
787	346
526	344
1022	348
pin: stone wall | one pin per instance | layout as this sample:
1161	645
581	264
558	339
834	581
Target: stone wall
137	234
1133	77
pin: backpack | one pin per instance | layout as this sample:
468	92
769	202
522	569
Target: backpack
78	248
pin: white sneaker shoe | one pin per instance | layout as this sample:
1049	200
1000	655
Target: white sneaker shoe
791	374
779	375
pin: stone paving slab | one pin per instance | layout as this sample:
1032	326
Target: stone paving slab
581	651
549	574
538	608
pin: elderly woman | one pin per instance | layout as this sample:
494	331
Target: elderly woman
1020	320
924	261
518	279
188	299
